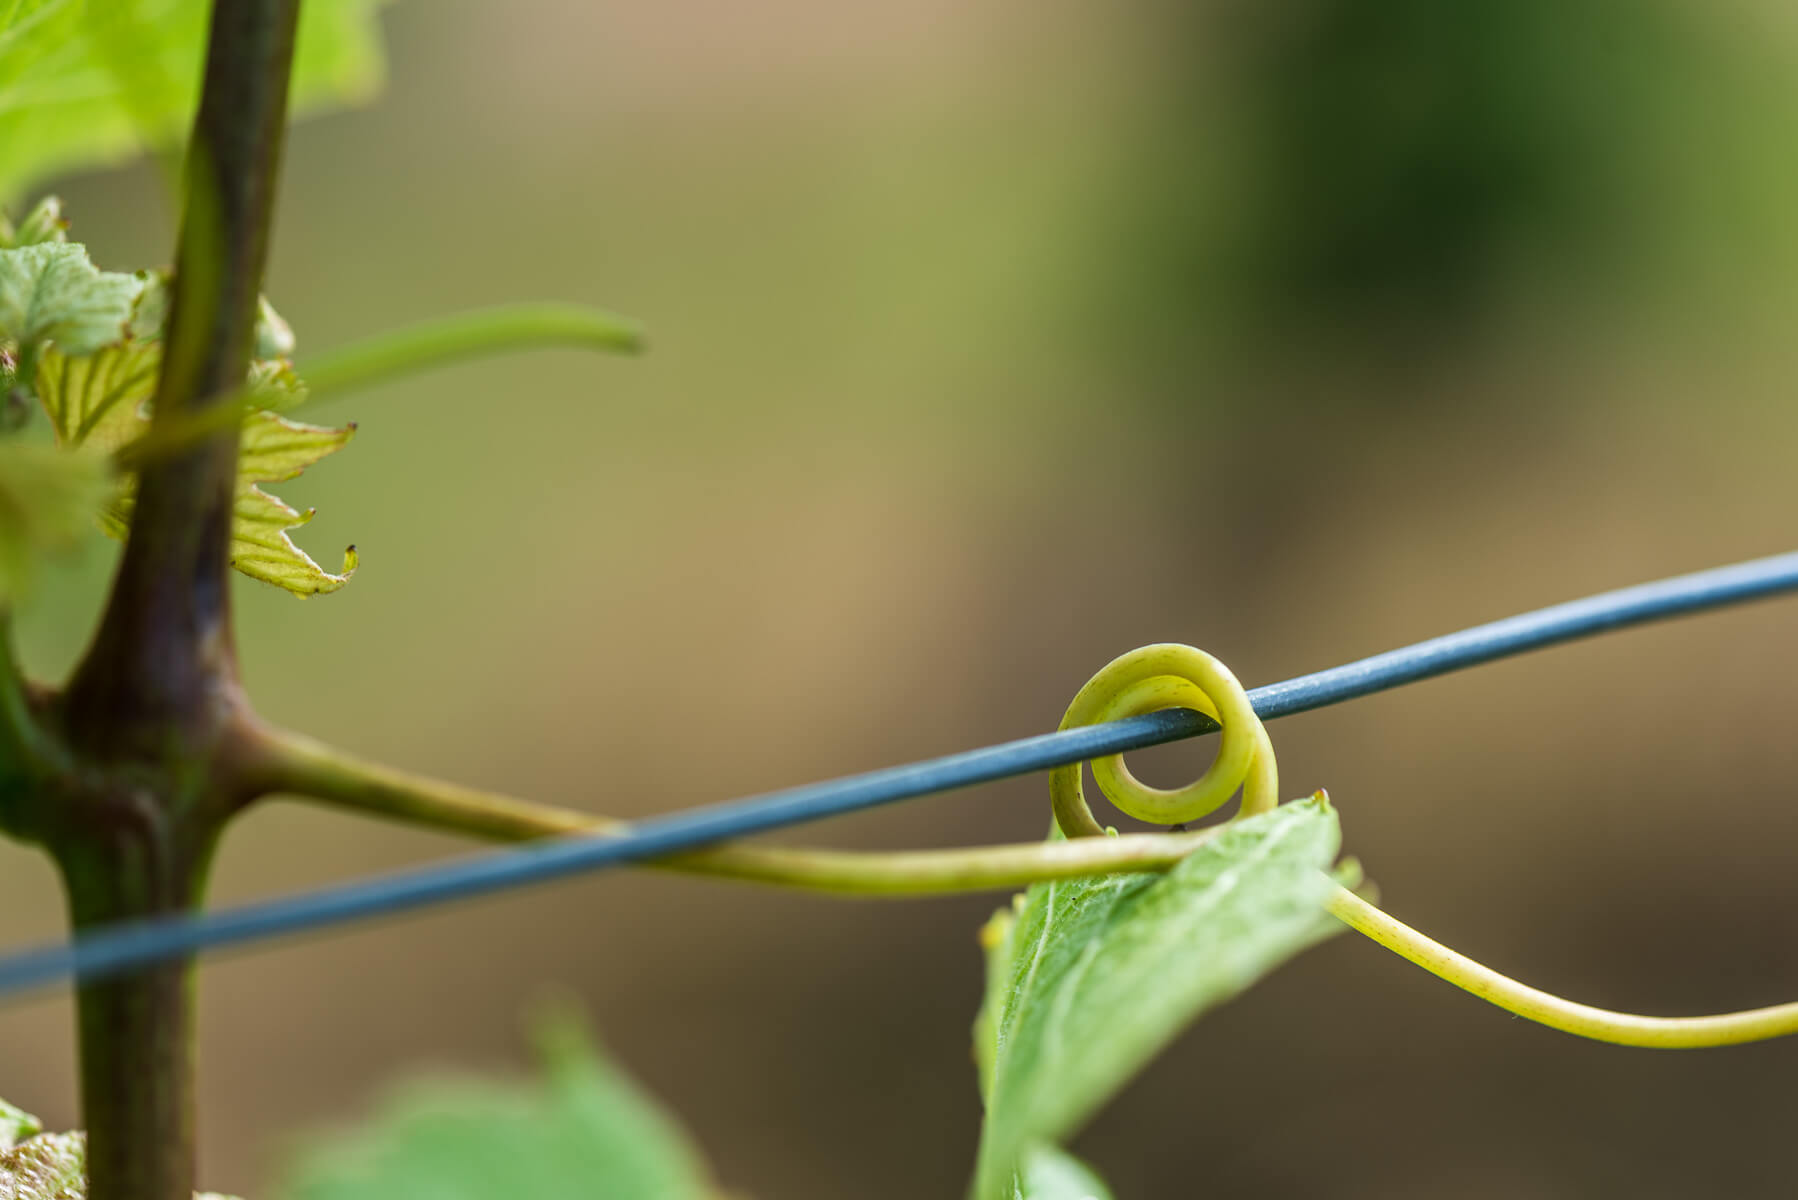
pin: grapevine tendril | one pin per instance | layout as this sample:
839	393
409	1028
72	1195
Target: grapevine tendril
1623	1029
1168	676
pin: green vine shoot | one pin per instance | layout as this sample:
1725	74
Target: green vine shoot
160	406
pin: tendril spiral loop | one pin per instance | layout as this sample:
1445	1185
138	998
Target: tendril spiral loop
1149	679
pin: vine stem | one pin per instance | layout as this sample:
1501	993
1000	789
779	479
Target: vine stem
295	765
136	1031
299	766
163	661
156	694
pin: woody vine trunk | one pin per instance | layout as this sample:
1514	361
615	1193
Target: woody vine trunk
153	711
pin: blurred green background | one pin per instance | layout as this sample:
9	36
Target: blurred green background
993	339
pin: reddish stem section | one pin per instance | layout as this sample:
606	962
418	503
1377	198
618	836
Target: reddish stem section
136	1031
151	709
162	661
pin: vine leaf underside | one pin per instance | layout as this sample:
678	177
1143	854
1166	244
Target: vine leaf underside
101	400
50	291
86	343
35	1165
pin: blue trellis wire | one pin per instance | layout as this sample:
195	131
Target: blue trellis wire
125	946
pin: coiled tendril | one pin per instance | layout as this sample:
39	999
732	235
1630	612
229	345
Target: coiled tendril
1142	681
1169	675
1146	680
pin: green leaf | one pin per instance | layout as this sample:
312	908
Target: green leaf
586	1130
99	401
48	499
43	223
150	315
96	81
276	448
51	292
1090	978
16	1126
1049	1173
274	336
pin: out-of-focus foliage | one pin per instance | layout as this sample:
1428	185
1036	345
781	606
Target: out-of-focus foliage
1088	979
94	81
1050	1173
43	223
585	1130
16	1126
47	500
1339	168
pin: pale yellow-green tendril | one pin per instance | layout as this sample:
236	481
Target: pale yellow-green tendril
1154	677
1167	675
280	761
1625	1029
401	352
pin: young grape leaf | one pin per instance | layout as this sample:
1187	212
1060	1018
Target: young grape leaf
85	82
585	1131
35	1165
50	1166
43	223
1089	978
16	1126
47	500
50	291
274	336
150	316
276	448
98	401
1049	1173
